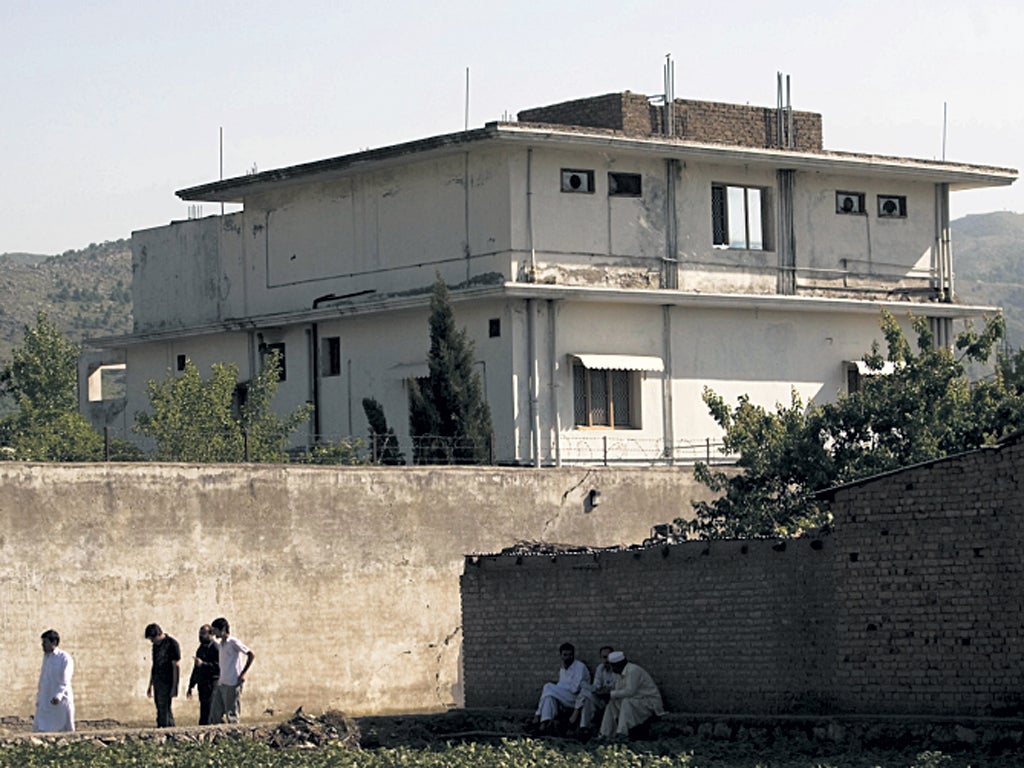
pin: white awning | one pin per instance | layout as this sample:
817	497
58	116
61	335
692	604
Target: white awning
621	362
888	367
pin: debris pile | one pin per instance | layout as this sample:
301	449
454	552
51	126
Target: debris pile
306	732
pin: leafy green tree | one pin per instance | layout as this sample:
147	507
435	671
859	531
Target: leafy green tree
42	379
382	437
449	420
924	409
200	420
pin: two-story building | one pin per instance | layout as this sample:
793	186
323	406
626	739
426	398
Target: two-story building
610	258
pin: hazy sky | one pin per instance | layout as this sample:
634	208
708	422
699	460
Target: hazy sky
109	107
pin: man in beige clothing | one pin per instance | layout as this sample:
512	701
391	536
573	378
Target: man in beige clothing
634	699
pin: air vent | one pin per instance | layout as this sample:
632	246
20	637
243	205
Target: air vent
849	202
577	181
892	206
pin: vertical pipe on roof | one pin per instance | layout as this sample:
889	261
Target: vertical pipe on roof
529	215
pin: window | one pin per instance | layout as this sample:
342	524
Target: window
624	185
330	356
603	397
267	351
182	362
577	181
892	206
737	217
849	202
494	327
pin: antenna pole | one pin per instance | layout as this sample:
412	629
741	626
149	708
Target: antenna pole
467	100
222	163
944	112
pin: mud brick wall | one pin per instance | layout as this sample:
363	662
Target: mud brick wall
704	121
915	605
930	588
723	626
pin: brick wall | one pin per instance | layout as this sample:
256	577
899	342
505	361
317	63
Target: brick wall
914	605
704	121
929	587
722	626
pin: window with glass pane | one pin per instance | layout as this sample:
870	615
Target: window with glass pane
602	398
737	217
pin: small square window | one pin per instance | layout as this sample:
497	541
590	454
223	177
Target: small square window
494	327
849	202
577	181
624	185
892	206
330	356
182	362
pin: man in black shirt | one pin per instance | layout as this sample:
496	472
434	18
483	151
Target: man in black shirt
205	672
163	677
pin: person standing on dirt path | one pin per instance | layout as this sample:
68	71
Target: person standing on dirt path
164	674
205	672
227	696
55	701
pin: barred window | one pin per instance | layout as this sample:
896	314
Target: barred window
603	397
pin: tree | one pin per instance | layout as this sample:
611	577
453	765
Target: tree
42	378
924	409
197	420
449	421
382	437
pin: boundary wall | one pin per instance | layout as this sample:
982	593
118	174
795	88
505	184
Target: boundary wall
914	606
344	581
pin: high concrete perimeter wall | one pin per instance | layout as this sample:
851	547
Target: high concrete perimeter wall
914	606
343	581
723	626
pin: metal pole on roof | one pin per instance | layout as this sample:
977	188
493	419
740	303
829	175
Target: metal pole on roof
467	100
944	114
222	164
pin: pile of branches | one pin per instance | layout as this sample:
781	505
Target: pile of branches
306	732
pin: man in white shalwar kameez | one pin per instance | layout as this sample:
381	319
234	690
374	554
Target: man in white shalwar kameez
55	701
555	697
593	697
634	700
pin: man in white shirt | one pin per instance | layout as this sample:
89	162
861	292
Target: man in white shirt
594	697
227	696
634	700
556	697
55	701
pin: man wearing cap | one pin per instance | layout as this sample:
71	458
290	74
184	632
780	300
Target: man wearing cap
633	701
557	697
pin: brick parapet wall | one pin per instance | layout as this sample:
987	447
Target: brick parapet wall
929	588
722	626
703	121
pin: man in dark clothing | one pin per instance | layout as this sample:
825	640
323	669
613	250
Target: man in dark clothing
163	677
205	672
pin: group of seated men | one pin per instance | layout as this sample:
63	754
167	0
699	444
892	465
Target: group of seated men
624	691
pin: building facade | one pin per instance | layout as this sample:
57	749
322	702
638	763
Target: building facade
609	257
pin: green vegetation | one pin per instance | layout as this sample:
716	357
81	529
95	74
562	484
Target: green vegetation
217	419
924	409
507	753
41	381
383	441
449	420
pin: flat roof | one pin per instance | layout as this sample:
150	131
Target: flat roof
957	175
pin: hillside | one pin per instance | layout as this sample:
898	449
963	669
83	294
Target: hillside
988	259
88	292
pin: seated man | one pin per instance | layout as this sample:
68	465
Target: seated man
633	701
594	697
560	696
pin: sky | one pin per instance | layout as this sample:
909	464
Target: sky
110	107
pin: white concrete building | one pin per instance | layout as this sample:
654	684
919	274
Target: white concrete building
607	270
